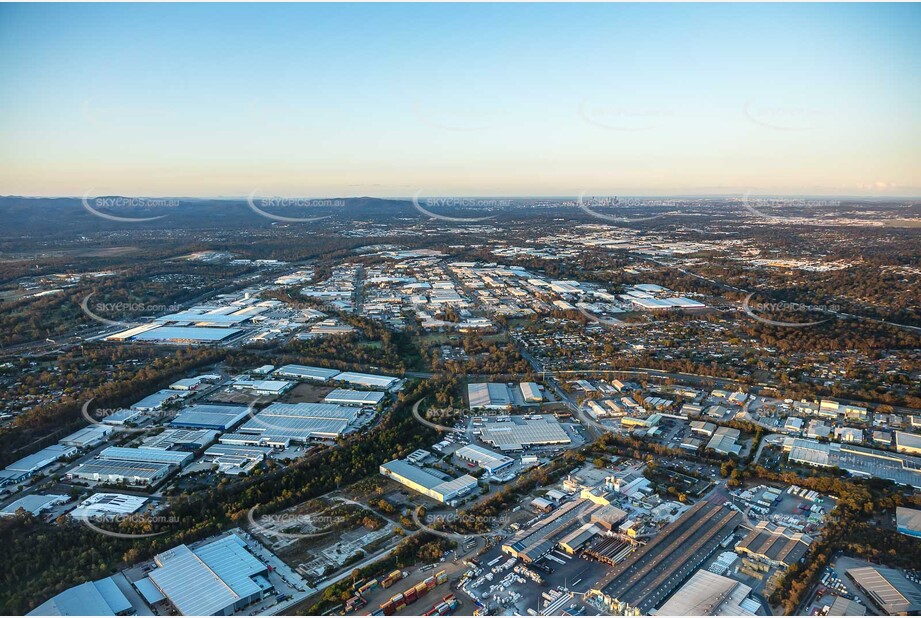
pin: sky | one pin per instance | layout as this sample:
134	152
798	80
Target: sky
395	100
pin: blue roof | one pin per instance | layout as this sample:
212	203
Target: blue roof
98	598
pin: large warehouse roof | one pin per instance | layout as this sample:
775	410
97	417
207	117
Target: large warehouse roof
301	421
347	396
483	457
98	598
187	333
889	589
210	416
306	373
775	543
366	379
207	580
517	433
151	455
908	520
708	594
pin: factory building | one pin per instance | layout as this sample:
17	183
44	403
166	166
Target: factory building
304	372
775	545
97	598
858	460
367	380
444	490
128	472
216	579
349	397
210	416
909	443
87	437
500	396
108	505
35	504
517	433
888	589
488	460
709	594
645	579
908	521
281	423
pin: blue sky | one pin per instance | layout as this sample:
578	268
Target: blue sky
459	99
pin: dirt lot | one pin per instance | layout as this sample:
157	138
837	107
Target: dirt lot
307	393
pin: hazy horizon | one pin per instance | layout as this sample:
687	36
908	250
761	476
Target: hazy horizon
453	100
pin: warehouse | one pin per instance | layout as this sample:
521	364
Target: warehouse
578	538
301	422
210	416
30	464
122	417
216	579
146	455
303	372
908	521
156	401
106	505
889	590
909	443
367	380
650	574
263	387
775	545
98	598
530	392
87	437
489	396
709	594
34	504
349	397
128	472
181	439
491	462
444	490
186	335
859	460
518	433
231	459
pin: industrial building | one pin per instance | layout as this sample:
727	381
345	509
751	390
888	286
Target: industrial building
909	443
304	372
725	441
367	380
181	439
908	521
488	460
889	589
652	573
128	472
146	455
156	401
178	335
98	598
857	460
500	396
709	594
34	504
350	397
263	387
30	464
281	423
219	578
210	416
513	433
105	505
534	542
427	483
89	436
232	459
775	545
